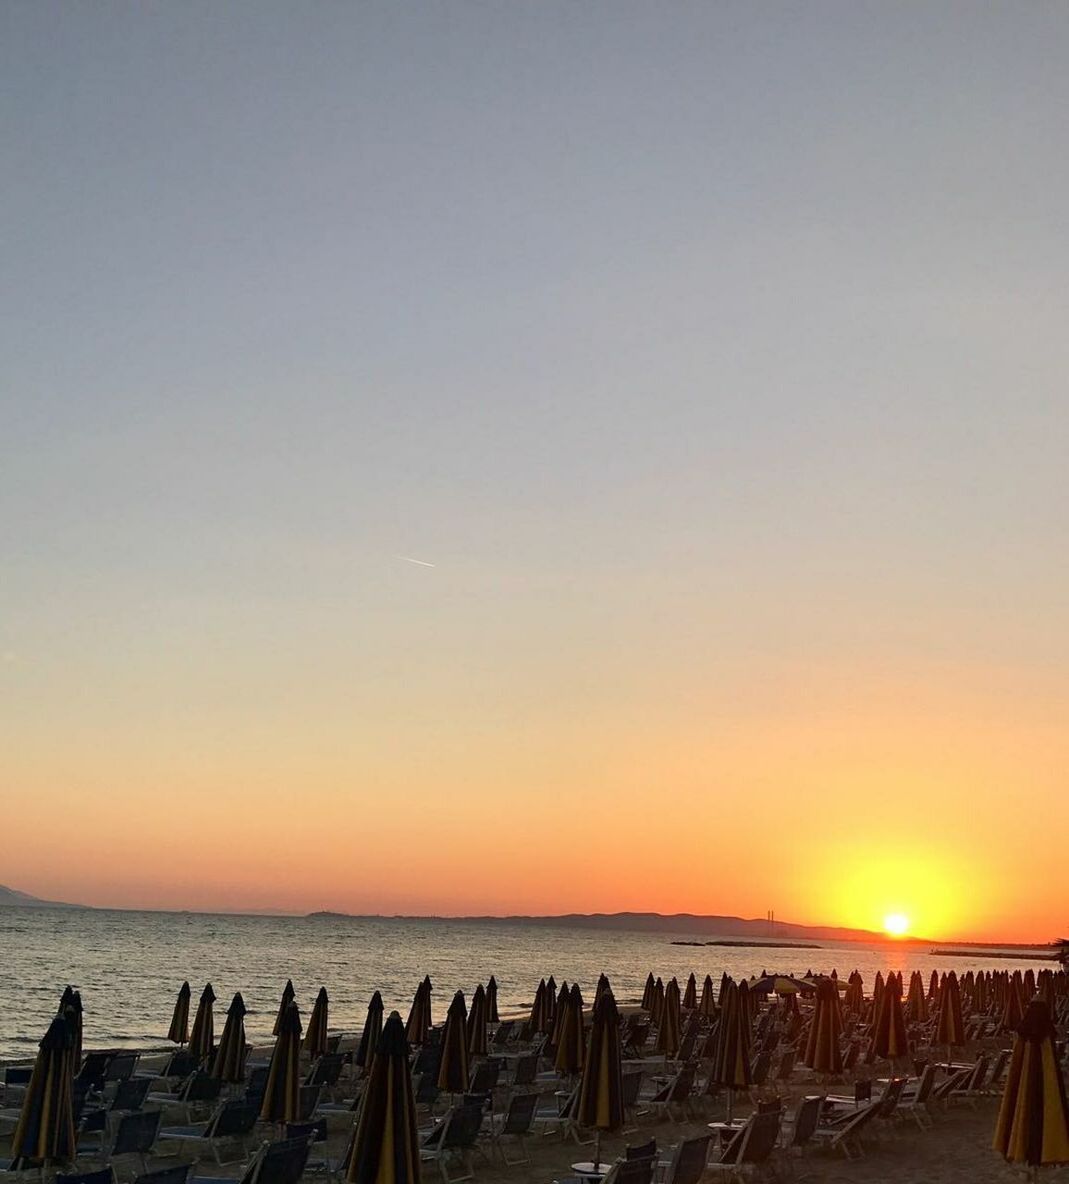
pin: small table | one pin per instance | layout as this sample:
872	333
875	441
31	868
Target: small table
725	1130
591	1171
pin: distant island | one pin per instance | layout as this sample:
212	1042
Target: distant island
759	930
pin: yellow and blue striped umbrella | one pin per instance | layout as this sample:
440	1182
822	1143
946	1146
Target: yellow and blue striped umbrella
202	1039
386	1143
315	1035
282	1095
453	1068
178	1032
44	1132
229	1062
601	1094
1033	1120
369	1037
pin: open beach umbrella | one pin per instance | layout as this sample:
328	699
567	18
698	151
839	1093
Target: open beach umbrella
370	1036
731	1054
386	1144
1033	1119
315	1035
690	994
202	1038
453	1068
281	1101
949	1022
822	1052
889	1041
288	995
70	1005
178	1032
668	1030
44	1132
707	1003
601	1093
570	1039
492	1016
419	1017
229	1061
647	992
476	1030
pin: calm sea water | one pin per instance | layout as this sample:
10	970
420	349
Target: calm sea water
129	966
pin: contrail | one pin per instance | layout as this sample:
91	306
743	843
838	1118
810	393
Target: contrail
421	562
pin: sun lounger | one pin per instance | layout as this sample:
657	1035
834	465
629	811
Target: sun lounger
273	1163
749	1148
231	1123
453	1140
845	1132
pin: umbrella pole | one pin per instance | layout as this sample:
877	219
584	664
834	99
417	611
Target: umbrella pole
597	1148
731	1099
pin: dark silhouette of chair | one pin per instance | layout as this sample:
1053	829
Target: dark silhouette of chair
454	1139
136	1135
232	1122
687	1165
179	1174
99	1176
516	1123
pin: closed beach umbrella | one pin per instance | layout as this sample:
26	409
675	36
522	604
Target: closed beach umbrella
282	1093
603	985
949	1023
889	1040
288	995
315	1036
571	1037
854	999
657	1002
202	1039
559	1015
690	994
731	1054
1033	1120
601	1100
707	1003
70	1005
369	1037
822	1052
540	1010
419	1017
933	986
1013	1012
916	1001
668	1030
179	1029
477	1023
551	1002
492	1016
647	992
229	1062
453	1069
44	1132
386	1144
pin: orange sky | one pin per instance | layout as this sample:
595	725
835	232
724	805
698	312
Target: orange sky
807	790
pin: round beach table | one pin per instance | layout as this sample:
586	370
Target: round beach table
591	1171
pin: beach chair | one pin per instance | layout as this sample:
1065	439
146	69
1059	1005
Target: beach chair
950	1085
121	1066
675	1095
631	1088
845	1131
914	1100
515	1123
621	1171
136	1135
198	1092
973	1086
801	1128
993	1086
560	1120
273	1163
502	1035
688	1160
647	1150
453	1140
179	1174
526	1071
427	1092
232	1122
750	1148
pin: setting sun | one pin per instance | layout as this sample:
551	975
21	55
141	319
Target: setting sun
896	924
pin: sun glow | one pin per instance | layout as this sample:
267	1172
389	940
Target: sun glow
896	924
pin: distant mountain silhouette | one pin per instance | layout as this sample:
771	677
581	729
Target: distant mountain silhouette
704	925
12	896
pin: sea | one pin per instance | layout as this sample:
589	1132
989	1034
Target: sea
129	966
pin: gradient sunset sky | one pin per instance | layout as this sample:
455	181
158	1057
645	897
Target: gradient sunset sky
715	356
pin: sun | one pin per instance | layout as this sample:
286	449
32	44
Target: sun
896	924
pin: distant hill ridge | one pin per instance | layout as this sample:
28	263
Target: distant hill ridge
12	896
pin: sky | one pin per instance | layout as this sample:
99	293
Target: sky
714	355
